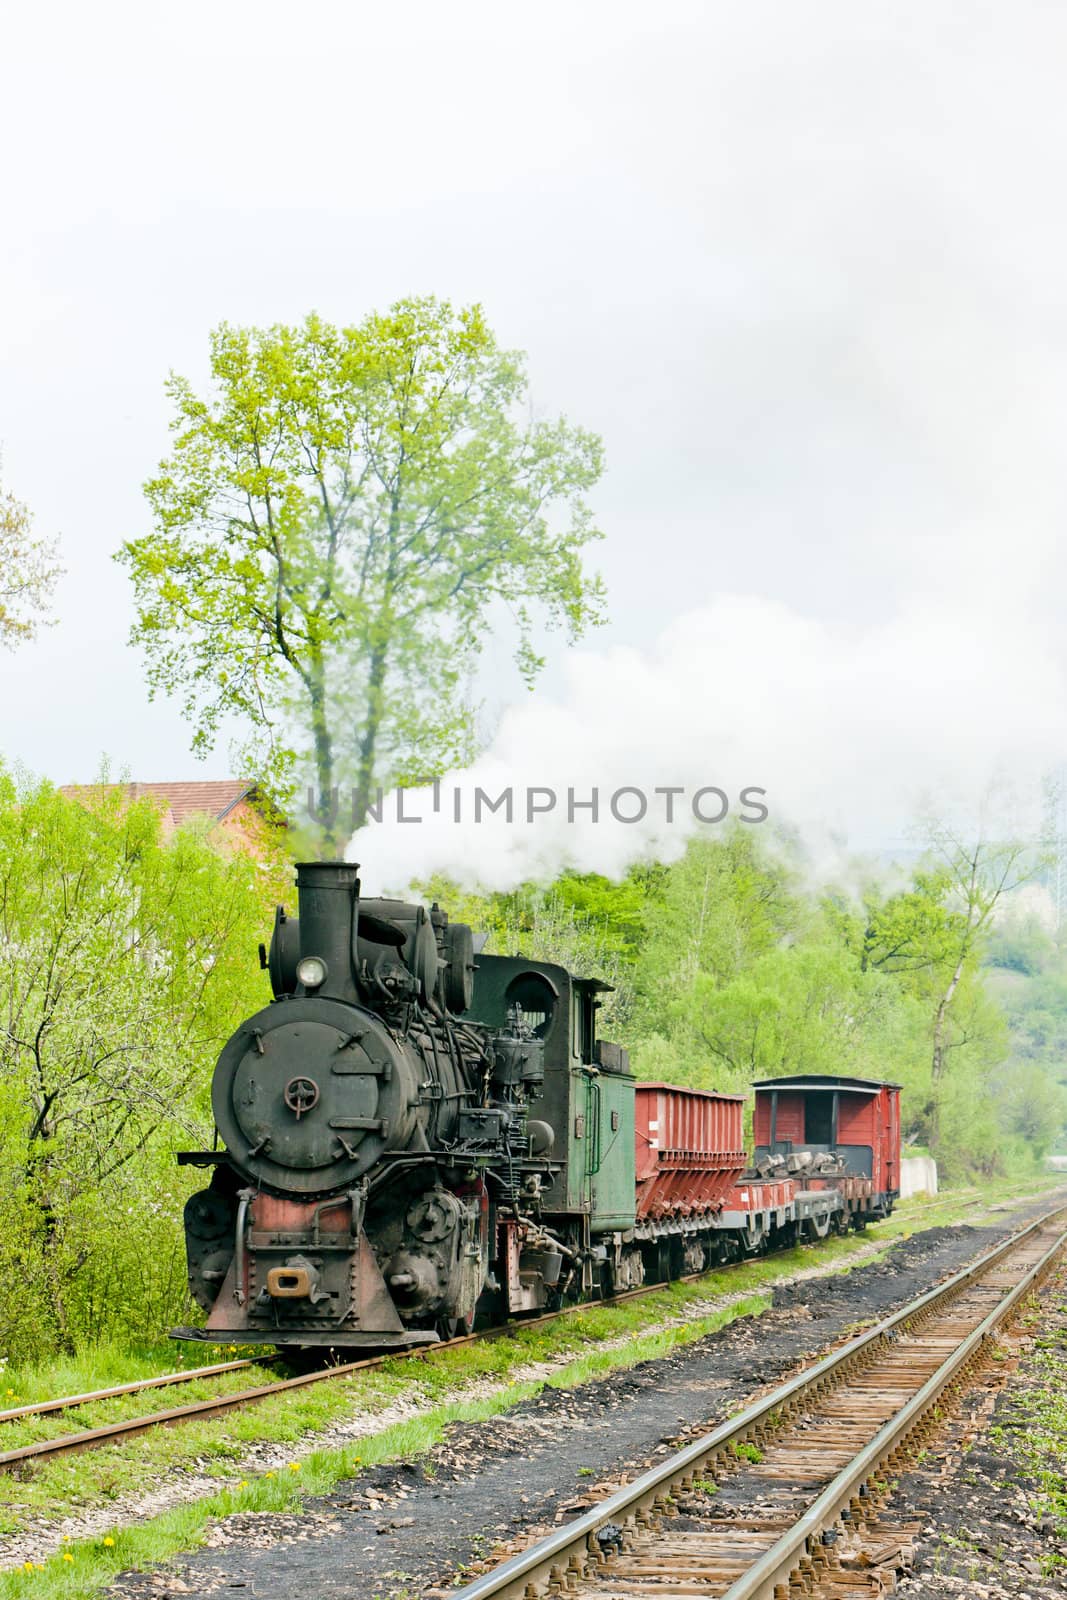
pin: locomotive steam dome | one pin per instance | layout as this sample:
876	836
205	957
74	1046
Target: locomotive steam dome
308	1095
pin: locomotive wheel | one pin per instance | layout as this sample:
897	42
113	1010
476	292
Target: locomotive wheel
453	1327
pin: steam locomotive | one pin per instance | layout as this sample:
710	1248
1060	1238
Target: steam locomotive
412	1139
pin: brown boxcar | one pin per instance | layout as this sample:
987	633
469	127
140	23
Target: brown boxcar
690	1148
856	1119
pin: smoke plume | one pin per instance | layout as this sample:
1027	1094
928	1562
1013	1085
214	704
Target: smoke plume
847	728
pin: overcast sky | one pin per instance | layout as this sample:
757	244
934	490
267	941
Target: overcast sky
803	266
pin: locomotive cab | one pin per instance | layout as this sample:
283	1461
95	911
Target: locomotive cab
587	1105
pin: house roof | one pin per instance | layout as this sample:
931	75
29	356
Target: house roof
215	798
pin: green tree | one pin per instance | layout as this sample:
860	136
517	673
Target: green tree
978	874
1022	945
714	912
914	930
583	921
1033	1106
125	962
28	573
339	522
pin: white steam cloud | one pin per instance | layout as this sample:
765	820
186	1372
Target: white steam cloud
847	728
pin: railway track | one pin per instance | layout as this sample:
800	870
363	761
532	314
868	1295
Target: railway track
70	1402
130	1427
113	1432
777	1501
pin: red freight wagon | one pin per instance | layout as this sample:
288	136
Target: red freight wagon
690	1149
856	1119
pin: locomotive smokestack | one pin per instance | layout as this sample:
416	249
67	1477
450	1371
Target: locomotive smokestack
328	893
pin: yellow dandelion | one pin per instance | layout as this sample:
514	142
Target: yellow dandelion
108	1539
294	1466
27	1566
10	1393
38	1566
243	1483
67	1556
232	1348
269	1474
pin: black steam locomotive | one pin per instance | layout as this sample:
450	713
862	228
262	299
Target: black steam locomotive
382	1172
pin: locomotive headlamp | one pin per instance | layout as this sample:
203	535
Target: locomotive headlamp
311	972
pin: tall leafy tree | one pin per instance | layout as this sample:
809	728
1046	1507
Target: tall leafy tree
342	516
979	873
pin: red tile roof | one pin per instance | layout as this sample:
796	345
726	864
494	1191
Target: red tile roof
215	797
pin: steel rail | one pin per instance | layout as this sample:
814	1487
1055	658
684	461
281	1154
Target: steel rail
777	1564
91	1438
566	1550
40	1408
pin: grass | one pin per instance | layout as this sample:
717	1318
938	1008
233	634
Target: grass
104	1365
746	1452
28	1430
439	1388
